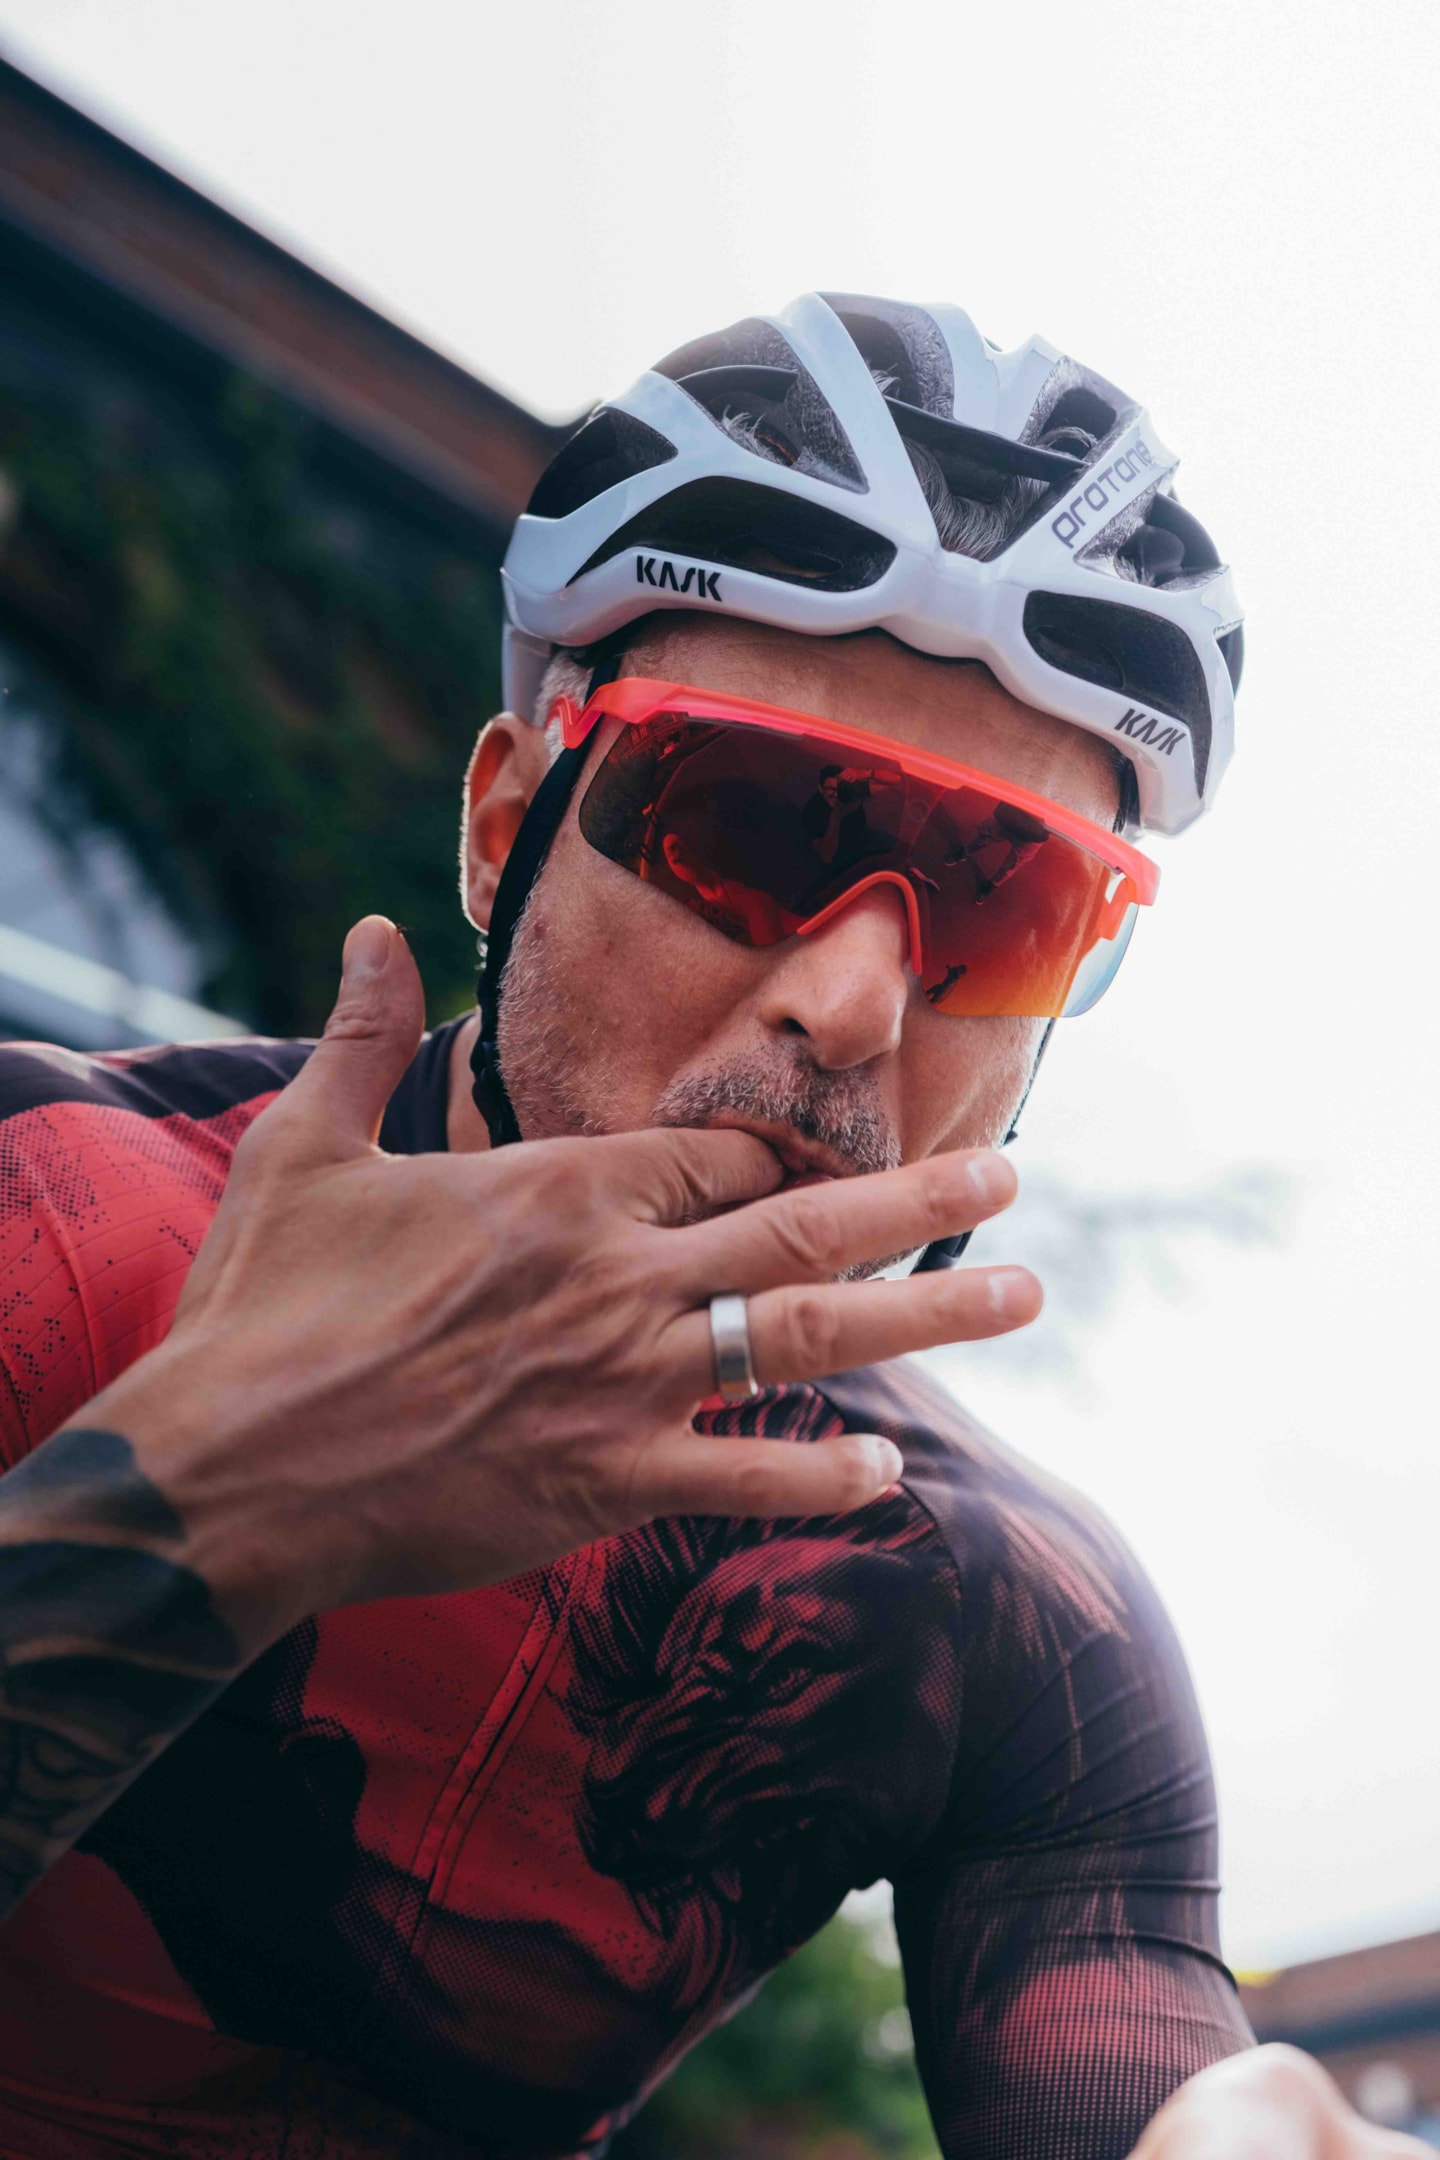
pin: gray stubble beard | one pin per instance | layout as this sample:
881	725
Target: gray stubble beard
542	1033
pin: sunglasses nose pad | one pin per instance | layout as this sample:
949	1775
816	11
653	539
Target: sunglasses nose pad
913	939
912	924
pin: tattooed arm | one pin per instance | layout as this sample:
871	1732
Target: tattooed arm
109	1643
387	1376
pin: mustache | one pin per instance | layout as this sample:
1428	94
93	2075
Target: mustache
840	1111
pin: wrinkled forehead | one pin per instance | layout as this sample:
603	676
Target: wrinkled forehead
870	680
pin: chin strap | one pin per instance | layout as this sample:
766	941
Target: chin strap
945	1252
523	865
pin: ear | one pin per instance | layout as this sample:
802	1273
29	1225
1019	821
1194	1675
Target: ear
509	763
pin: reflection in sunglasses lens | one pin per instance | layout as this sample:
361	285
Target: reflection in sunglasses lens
759	832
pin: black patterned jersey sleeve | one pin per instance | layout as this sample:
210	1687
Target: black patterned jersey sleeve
1058	1926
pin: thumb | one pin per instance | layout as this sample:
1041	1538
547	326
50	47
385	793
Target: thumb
333	1106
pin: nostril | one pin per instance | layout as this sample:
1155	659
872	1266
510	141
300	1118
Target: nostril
793	1027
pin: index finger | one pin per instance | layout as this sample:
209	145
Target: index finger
679	1174
817	1231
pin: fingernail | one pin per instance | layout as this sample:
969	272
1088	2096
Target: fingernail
1010	1291
888	1460
992	1179
367	948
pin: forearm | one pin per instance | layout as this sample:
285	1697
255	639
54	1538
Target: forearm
112	1642
1272	2103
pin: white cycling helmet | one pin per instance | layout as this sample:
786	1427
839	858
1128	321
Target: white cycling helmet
856	463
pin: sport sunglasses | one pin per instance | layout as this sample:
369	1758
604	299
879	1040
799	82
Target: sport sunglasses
765	823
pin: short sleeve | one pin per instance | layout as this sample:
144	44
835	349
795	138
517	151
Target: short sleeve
111	1169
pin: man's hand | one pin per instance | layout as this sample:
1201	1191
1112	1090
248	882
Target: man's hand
1272	2103
393	1375
420	1374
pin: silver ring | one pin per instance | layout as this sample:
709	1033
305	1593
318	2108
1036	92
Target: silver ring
730	1334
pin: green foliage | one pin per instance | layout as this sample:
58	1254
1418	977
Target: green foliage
817	2067
271	690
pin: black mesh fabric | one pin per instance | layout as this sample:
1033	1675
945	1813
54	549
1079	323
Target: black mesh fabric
803	417
903	345
1170	545
1082	411
1141	656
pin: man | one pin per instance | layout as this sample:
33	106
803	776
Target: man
648	1626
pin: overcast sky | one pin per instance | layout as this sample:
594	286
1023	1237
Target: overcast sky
1231	211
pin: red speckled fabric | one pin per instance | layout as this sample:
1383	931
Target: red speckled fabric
467	1875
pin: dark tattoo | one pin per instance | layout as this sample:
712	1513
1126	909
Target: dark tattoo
108	1648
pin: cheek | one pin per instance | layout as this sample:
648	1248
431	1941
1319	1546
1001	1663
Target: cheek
647	983
642	989
965	1080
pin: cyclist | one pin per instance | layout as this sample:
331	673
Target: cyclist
469	1609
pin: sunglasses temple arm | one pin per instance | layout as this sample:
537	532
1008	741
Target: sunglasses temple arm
1125	896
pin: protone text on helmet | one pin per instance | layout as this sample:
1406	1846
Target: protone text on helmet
1072	521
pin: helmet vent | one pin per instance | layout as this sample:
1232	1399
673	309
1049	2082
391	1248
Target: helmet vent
742	526
977	464
610	447
753	385
980	487
1121	648
1170	548
1078	412
902	345
748	402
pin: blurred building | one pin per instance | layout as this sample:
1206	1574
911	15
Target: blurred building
158	361
1373	2018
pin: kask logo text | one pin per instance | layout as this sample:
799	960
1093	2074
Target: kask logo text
1144	727
1101	495
705	582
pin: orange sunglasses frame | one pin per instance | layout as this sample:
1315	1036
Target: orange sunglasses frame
634	699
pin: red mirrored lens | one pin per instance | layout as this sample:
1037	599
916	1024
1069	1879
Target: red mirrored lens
759	833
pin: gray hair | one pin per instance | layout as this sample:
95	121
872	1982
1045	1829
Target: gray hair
567	675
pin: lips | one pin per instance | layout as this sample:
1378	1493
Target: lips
807	1162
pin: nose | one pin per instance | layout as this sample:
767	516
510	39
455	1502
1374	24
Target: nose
845	986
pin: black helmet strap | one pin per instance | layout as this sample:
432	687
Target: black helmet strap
523	865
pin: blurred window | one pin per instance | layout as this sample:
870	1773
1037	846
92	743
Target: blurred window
90	956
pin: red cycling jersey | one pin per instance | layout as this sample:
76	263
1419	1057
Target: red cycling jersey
467	1875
